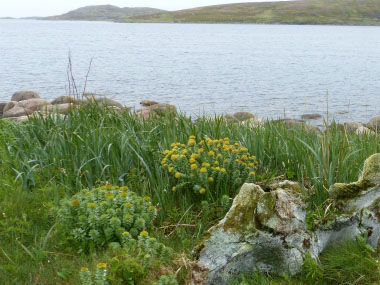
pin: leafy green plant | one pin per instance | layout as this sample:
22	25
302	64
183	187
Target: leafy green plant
166	280
106	214
208	168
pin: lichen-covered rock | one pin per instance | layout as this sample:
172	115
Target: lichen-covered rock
282	211
267	231
24	95
298	124
369	177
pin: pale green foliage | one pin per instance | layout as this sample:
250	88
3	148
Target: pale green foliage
166	280
106	214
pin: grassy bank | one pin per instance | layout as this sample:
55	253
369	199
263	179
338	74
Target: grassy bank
346	12
46	160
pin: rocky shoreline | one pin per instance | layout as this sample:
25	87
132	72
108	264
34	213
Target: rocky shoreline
26	104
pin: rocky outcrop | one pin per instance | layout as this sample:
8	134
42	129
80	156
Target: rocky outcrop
24	95
374	123
243	116
267	231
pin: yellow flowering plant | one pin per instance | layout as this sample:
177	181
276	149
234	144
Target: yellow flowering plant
102	215
208	168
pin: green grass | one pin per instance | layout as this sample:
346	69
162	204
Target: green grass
45	160
348	12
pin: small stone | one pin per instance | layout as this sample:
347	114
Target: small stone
243	116
9	106
311	116
24	95
147	103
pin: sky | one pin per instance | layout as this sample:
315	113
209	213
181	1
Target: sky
29	8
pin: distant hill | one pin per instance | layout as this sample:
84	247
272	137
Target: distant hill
347	12
104	13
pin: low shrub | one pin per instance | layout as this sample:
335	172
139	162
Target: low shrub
208	168
107	214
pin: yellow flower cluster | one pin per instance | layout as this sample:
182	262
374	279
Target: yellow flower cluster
203	165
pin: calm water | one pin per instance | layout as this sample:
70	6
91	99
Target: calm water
269	70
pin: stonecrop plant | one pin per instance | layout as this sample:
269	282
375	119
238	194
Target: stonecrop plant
107	214
209	167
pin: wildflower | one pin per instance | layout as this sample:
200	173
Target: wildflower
235	151
128	217
163	161
202	191
202	142
101	266
171	169
144	234
184	151
152	208
193	166
124	188
128	205
166	151
192	174
126	234
146	198
194	156
173	145
216	162
75	203
192	137
211	153
84	269
177	175
210	179
219	155
205	164
223	170
252	173
91	205
236	144
192	160
203	170
124	194
244	157
174	157
109	196
201	150
174	189
191	142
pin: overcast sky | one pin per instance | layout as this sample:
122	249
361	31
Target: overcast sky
26	8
